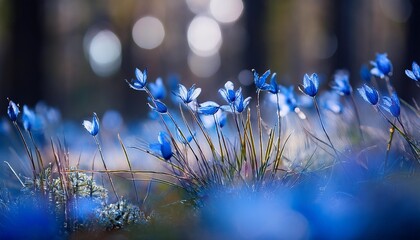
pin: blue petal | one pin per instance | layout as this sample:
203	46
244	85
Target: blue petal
13	111
416	70
208	108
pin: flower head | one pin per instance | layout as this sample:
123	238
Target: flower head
241	103
189	95
28	118
228	93
92	127
365	73
273	87
414	73
208	108
310	85
141	80
13	111
382	66
260	81
341	83
163	146
392	105
159	107
369	94
157	89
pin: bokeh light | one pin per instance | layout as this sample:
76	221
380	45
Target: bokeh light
204	66
204	36
104	52
198	6
226	11
148	32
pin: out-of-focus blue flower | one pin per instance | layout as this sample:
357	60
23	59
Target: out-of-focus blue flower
208	108
341	83
228	93
285	99
382	66
13	111
92	127
260	81
189	95
414	73
365	73
163	146
185	140
310	85
369	94
331	102
159	107
141	80
157	89
392	105
28	118
222	119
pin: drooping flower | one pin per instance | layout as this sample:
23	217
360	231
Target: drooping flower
208	108
189	95
273	87
341	83
159	107
92	127
369	94
310	85
382	66
365	73
260	82
228	93
163	146
13	111
157	89
28	118
392	105
414	73
141	80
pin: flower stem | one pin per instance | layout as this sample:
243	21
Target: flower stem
106	169
323	128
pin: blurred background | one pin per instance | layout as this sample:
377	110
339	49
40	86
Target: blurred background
75	55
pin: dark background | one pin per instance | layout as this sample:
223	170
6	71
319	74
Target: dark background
42	55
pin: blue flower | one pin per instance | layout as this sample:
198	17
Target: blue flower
163	146
13	111
260	81
382	66
228	93
185	140
414	73
392	105
330	101
159	107
189	95
28	118
310	85
241	103
208	108
341	83
92	127
273	87
365	73
222	119
369	94
141	80
157	89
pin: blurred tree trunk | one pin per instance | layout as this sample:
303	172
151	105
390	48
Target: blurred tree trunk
25	66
